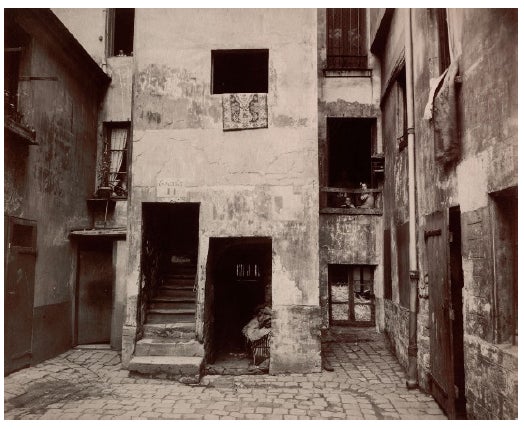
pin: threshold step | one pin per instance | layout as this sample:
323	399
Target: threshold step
185	369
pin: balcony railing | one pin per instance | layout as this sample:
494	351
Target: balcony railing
350	201
14	120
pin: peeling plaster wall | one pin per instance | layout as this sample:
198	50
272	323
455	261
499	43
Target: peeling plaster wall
487	113
249	183
347	239
50	182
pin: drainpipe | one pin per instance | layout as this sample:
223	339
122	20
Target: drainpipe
412	377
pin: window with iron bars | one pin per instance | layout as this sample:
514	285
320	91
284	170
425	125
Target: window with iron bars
113	169
346	39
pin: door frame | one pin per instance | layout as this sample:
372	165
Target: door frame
23	359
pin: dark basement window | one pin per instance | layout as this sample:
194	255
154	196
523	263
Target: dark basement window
239	71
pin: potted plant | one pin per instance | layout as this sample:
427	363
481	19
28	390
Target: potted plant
104	190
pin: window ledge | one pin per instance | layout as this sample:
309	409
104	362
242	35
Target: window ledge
350	211
26	134
347	72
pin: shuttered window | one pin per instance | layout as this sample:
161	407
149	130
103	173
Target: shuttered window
346	39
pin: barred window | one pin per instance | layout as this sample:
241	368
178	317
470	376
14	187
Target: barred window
346	39
114	159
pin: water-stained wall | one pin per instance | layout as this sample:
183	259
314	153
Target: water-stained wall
49	183
347	239
261	182
484	43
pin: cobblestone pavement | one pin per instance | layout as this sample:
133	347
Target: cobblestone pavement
367	383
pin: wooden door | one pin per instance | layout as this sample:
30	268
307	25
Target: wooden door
441	353
94	293
20	260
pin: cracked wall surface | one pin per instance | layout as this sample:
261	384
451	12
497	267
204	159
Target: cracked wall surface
487	114
249	183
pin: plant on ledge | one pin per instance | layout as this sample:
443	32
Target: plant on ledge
104	190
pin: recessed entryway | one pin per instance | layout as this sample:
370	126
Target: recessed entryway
239	284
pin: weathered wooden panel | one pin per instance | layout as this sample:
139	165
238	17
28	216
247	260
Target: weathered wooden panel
19	293
95	295
441	358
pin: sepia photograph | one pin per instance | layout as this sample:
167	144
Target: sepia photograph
263	213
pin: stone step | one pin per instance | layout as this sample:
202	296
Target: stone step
173	311
177	286
155	318
181	330
183	368
168	347
175	293
179	276
172	305
173	299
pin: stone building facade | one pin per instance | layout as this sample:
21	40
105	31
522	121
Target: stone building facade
352	166
465	157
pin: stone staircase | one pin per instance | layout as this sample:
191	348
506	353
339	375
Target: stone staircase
168	348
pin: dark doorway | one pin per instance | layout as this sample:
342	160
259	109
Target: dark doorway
241	279
442	238
457	326
94	296
169	260
19	276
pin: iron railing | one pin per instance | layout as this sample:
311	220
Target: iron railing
352	200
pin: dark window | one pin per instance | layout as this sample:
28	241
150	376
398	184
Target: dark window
402	110
388	292
113	169
443	41
23	235
350	145
351	294
120	30
346	39
505	233
239	71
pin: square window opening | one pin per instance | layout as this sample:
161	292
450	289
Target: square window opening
239	71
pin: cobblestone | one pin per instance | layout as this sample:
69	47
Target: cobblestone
87	384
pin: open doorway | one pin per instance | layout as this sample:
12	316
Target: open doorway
169	260
240	283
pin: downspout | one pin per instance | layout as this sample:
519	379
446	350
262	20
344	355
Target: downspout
412	376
